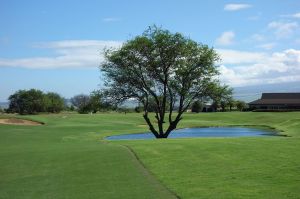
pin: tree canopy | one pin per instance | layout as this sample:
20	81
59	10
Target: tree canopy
90	103
35	101
82	103
221	96
166	67
55	103
241	105
197	106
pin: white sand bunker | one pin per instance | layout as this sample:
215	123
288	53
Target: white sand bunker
15	121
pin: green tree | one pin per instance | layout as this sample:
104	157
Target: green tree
138	109
152	105
231	103
82	103
72	108
169	68
55	103
96	101
34	101
27	102
241	105
197	106
220	95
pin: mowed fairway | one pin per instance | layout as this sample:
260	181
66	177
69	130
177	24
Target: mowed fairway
68	158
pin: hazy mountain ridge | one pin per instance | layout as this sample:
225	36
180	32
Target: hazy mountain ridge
4	104
247	93
250	93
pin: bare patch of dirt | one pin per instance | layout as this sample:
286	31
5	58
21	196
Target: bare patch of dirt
15	121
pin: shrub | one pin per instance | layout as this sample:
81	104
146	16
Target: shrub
197	107
34	101
241	105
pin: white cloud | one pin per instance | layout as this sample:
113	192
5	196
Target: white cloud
267	46
227	38
111	19
240	57
238	68
265	69
236	6
283	29
295	15
76	44
70	54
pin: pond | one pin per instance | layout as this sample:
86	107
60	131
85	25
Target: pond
200	132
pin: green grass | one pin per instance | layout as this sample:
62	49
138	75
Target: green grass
68	158
65	159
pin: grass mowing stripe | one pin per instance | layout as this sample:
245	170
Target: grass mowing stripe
149	174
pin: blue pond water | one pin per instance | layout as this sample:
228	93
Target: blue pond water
200	132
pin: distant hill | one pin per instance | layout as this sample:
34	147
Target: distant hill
250	93
246	93
4	104
130	104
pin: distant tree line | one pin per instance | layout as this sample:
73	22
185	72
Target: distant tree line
35	101
221	99
199	106
91	103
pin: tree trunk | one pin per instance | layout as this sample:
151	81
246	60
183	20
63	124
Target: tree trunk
151	128
165	134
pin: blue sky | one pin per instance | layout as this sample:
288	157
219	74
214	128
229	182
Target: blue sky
56	45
